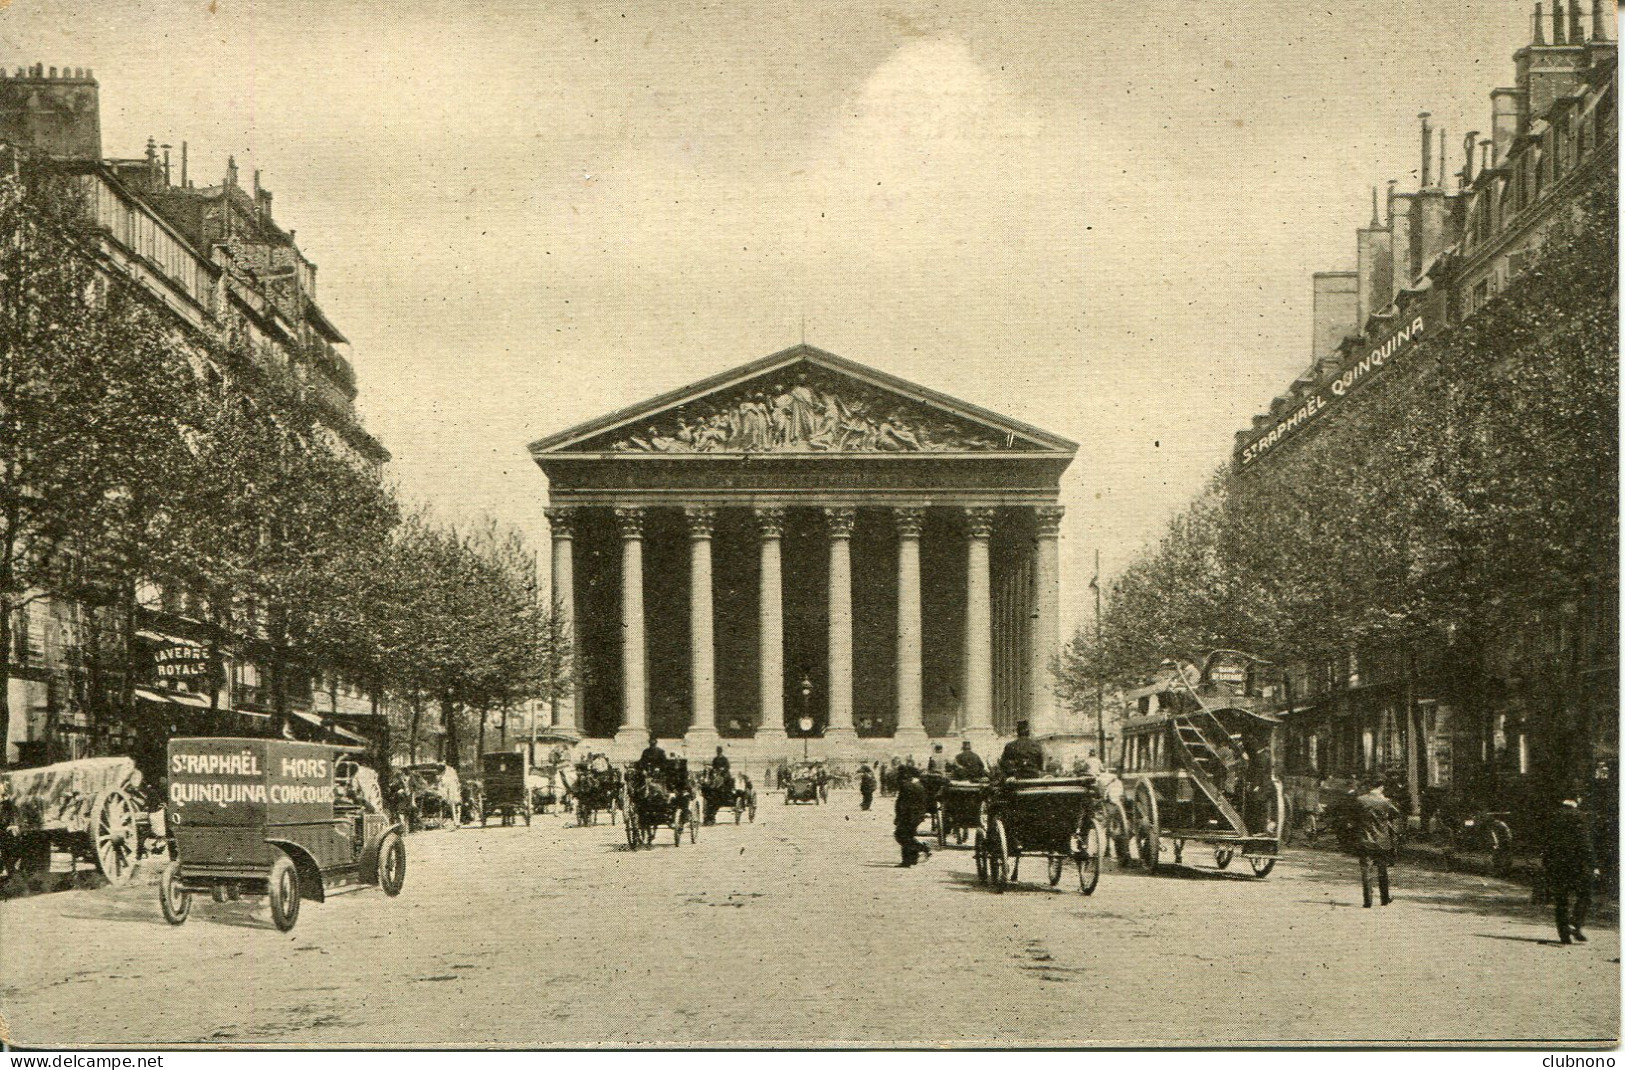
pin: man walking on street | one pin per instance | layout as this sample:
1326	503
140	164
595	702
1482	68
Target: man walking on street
1570	858
1375	839
866	786
910	812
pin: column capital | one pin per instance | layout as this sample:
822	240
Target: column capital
630	520
979	521
909	521
562	519
1049	520
839	519
702	521
770	521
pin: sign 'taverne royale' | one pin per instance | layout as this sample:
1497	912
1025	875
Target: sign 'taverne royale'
1366	363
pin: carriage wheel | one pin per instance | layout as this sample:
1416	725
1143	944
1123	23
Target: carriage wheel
1500	849
1262	866
283	889
1179	852
113	836
942	829
634	837
1057	866
175	900
1222	856
1117	829
980	849
1088	860
392	865
998	855
1148	833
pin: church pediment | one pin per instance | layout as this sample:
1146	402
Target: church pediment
802	401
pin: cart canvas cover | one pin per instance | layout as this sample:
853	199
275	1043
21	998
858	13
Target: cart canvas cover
250	781
59	796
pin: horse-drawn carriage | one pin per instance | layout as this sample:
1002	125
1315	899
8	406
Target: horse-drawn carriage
594	787
730	790
1056	817
93	809
1200	768
958	809
806	782
274	818
504	791
434	795
656	798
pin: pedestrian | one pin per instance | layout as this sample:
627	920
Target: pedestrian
910	812
1375	839
866	787
1570	861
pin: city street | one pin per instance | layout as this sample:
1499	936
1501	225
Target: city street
800	930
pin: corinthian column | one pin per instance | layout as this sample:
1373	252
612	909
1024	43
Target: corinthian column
563	521
978	627
770	614
702	671
1046	637
910	725
634	697
840	521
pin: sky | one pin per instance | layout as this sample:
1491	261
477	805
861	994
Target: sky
1098	218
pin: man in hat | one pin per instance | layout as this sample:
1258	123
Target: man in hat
1376	840
968	765
653	759
910	811
1570	859
1022	756
866	786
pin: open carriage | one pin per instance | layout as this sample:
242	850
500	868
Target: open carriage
505	791
959	810
1200	769
732	791
435	795
594	787
660	798
289	821
1059	818
93	809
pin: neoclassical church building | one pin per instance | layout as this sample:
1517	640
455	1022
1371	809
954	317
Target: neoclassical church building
804	552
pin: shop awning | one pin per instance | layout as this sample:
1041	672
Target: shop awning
176	698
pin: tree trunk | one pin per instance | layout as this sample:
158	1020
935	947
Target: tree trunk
484	714
448	721
416	723
5	682
1413	735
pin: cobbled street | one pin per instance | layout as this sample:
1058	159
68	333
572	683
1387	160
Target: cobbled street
799	930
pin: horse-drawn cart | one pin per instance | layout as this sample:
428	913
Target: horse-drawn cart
959	810
659	798
1056	817
594	787
506	794
437	794
719	790
93	808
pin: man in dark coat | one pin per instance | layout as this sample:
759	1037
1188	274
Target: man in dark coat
653	759
720	765
866	787
1022	756
911	808
1376	839
1570	858
968	765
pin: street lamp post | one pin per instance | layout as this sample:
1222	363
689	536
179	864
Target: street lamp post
806	722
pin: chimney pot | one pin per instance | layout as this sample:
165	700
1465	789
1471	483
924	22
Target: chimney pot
1427	148
53	72
1469	147
1558	36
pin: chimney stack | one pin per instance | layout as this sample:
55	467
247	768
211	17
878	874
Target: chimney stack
1599	29
166	149
1427	148
1469	151
1559	37
1540	27
1441	157
1576	33
184	183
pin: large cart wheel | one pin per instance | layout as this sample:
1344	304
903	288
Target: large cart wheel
113	836
1262	866
392	864
175	900
1117	828
979	848
1093	850
1148	829
1057	866
1223	856
283	890
942	828
998	855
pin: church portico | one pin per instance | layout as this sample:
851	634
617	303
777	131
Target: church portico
805	540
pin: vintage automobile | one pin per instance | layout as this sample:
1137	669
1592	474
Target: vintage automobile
274	818
805	782
437	794
731	790
1199	768
93	809
1059	818
506	792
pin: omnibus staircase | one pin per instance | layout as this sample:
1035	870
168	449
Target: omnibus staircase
1208	765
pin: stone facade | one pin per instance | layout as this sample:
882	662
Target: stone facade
806	540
